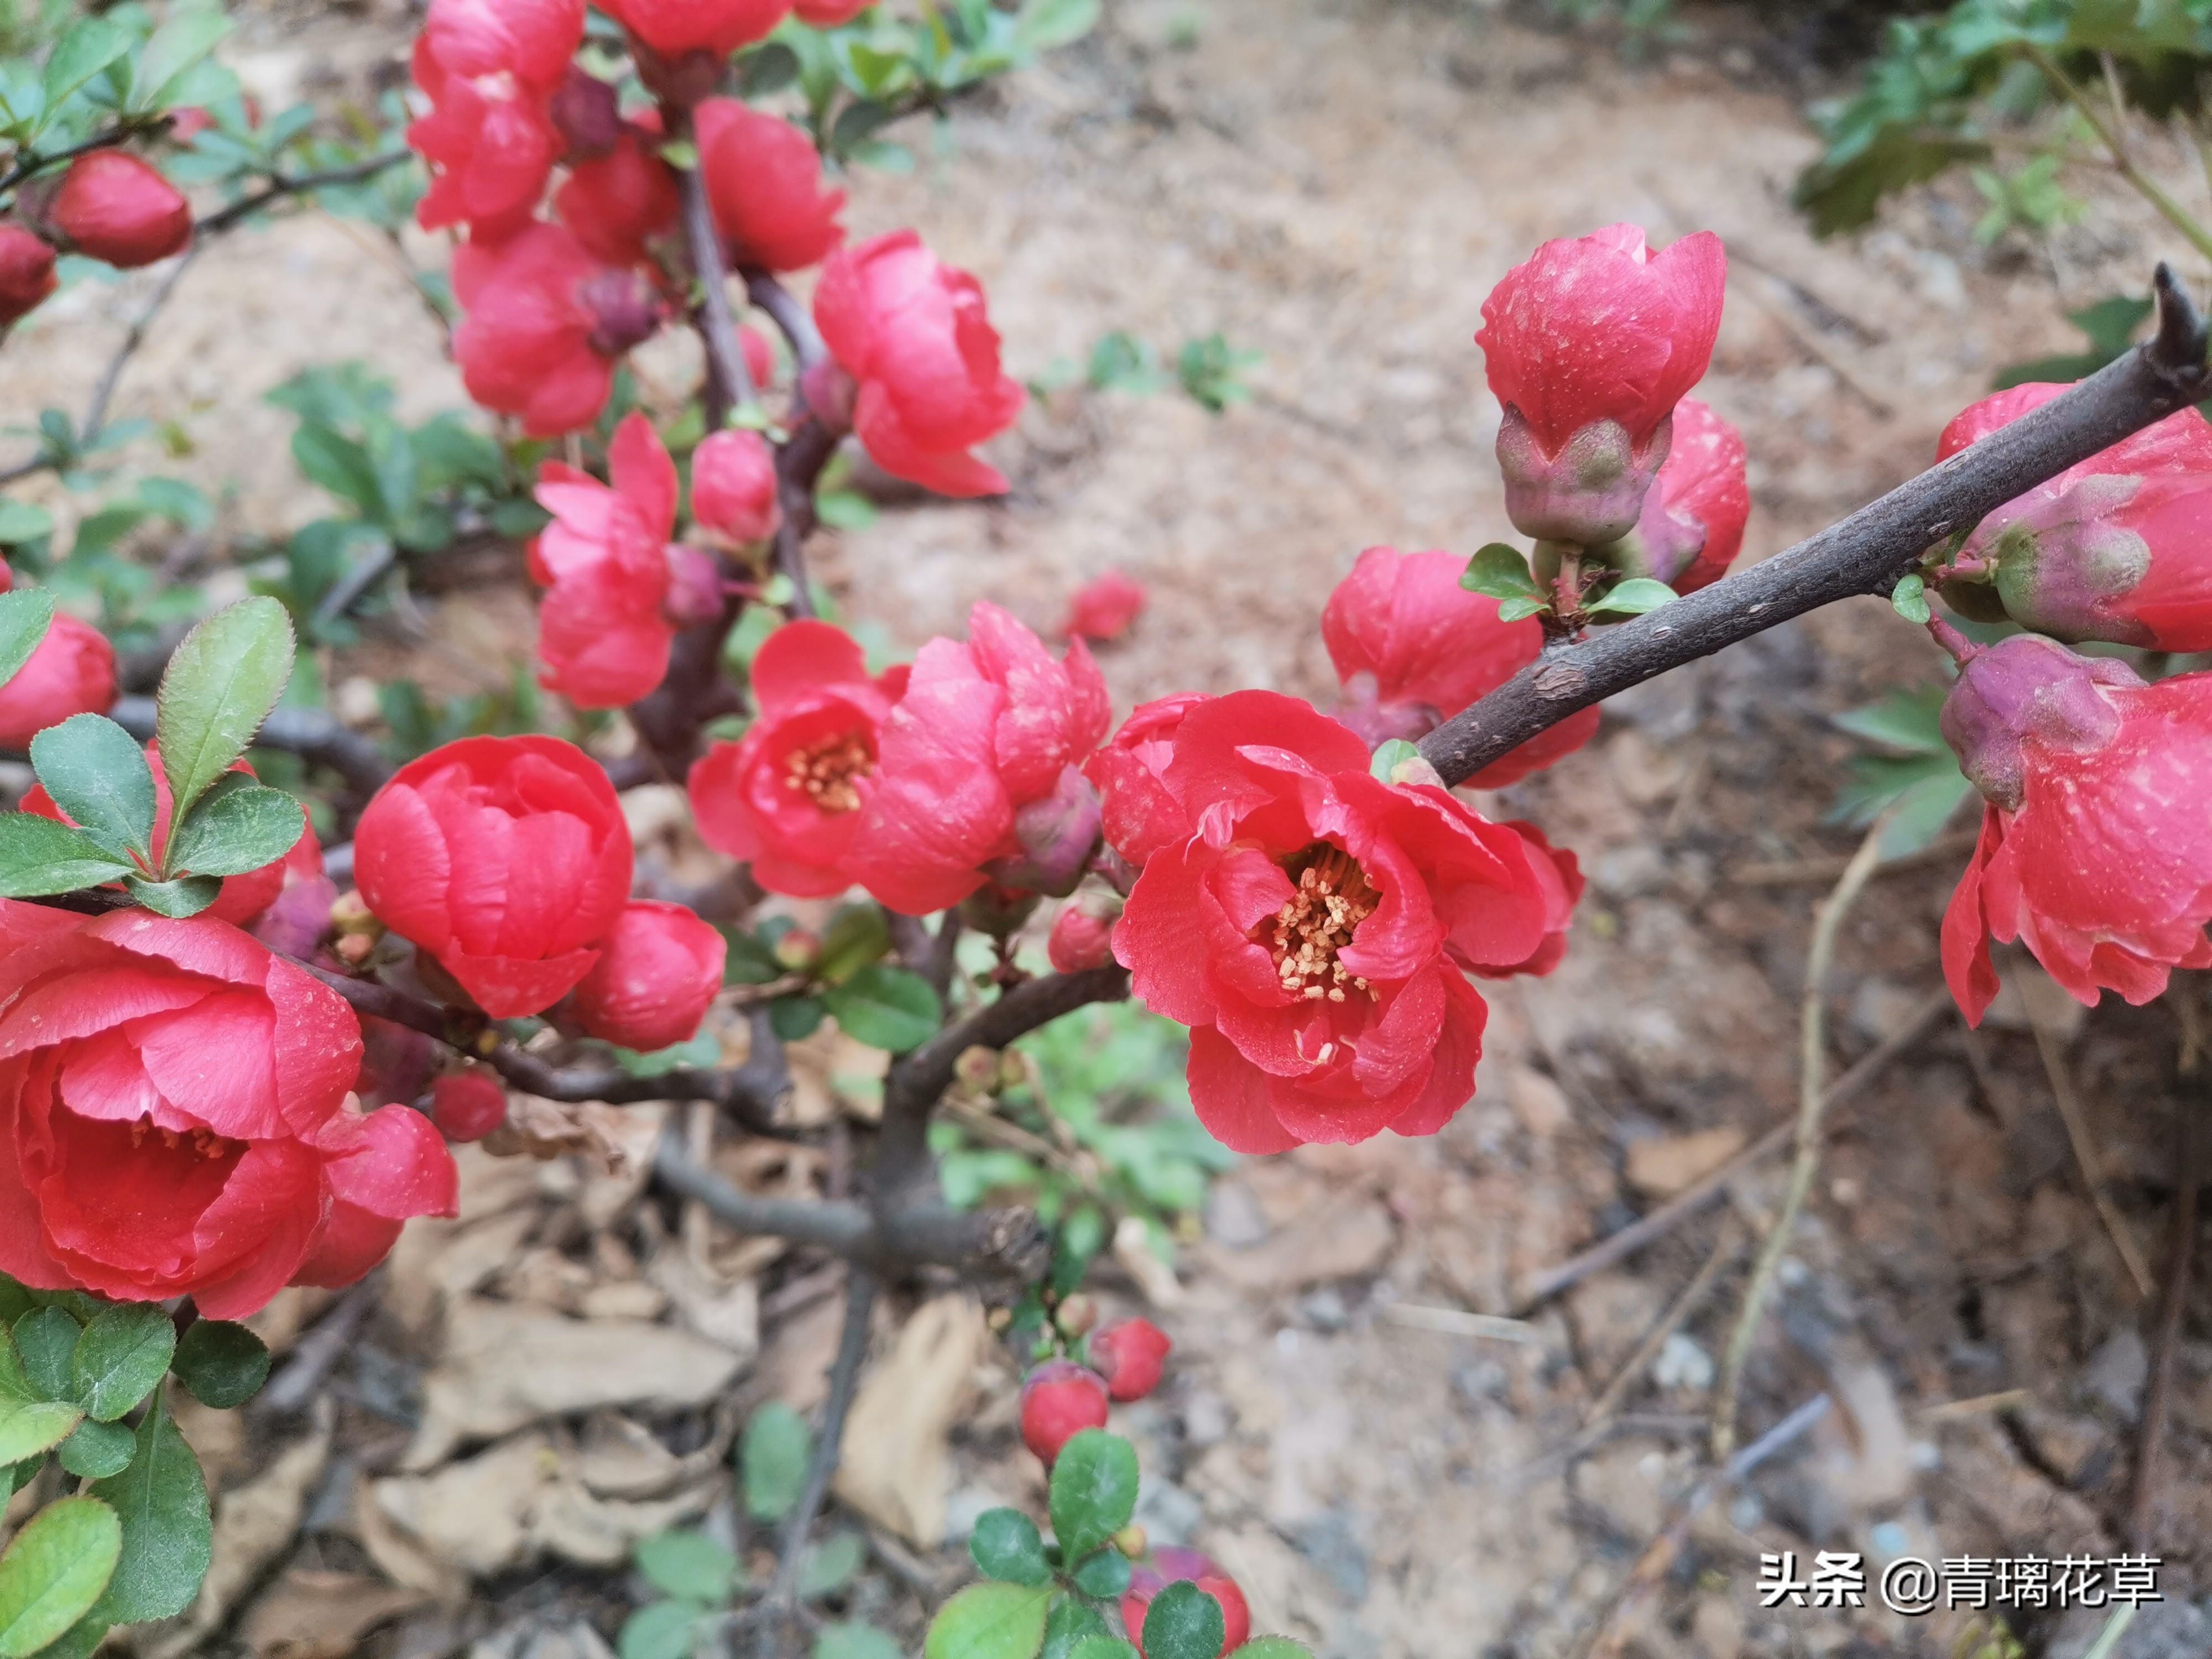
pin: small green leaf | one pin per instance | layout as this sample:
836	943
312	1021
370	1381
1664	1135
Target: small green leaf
80	1641
340	465
39	856
96	1450
1521	610
885	1007
854	1641
97	774
1184	1622
186	896
687	1564
188	36
1073	1622
238	825
1104	1574
1006	1545
1104	1647
81	53
21	522
25	615
773	1459
989	1621
1909	596
1044	24
1094	1492
829	1566
47	1339
220	1363
123	1354
167	1537
1272	1647
660	1630
1501	572
749	961
30	1424
1390	756
856	936
54	1571
219	687
794	1019
1631	597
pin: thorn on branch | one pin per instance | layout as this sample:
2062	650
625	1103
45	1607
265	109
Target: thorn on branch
2179	342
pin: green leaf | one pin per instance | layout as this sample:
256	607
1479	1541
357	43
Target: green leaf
1104	1574
187	37
98	775
123	1354
81	53
854	1641
1045	24
1909	596
96	1450
1907	720
221	1364
1519	609
187	895
1501	572
660	1630
39	856
988	1621
793	1018
30	1424
47	1338
829	1566
219	687
25	615
773	1459
1007	1547
1073	1622
21	522
81	1641
1184	1622
685	1562
1272	1647
237	826
1391	755
749	960
1094	1492
885	1007
340	465
1632	598
54	1571
1104	1647
163	1499
856	936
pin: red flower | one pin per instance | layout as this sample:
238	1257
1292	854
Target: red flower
1104	608
917	338
828	14
27	271
2117	548
1137	813
546	322
602	634
71	672
658	970
113	208
467	1105
1170	1566
488	144
242	897
1413	647
618	203
1130	1357
1082	937
1313	928
1059	1399
1692	524
174	1117
763	177
788	795
733	486
528	41
719	27
506	857
1590	346
986	728
2096	852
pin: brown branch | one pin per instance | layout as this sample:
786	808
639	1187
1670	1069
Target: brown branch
792	320
29	165
729	385
1866	553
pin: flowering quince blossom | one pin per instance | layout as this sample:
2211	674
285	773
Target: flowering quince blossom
1411	648
917	337
1082	936
603	633
545	321
2117	547
1312	927
71	672
989	730
468	1104
616	204
764	178
1590	346
507	859
489	68
1103	609
1692	527
27	272
174	1117
1059	1399
717	28
828	14
786	796
114	207
1171	1565
733	486
2096	848
1130	1356
658	970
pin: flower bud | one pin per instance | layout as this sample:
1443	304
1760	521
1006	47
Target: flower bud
349	913
695	587
298	918
1129	1356
1058	832
1103	609
1083	934
798	949
113	208
831	393
1131	1540
733	487
587	113
2028	689
658	970
467	1105
27	271
977	1069
398	1062
1171	1566
623	308
1075	1315
1059	1399
1591	490
72	672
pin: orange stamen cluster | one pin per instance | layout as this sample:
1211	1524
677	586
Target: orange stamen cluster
1333	897
205	1142
828	772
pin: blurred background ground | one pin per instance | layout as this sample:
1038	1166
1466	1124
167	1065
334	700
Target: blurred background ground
1335	184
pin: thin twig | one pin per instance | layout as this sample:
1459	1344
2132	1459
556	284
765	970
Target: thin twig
2181	1254
2085	1154
2116	1626
27	165
1692	1299
1812	1104
314	734
281	186
729	382
2147	187
792	320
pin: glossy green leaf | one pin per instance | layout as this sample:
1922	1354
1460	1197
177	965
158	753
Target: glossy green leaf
1104	1647
1184	1622
748	961
123	1354
187	895
221	1364
39	856
1632	598
989	1621
1070	1624
660	1630
189	35
1103	1574
854	1641
1909	596
163	1502
238	825
47	1339
1006	1545
86	48
25	615
30	1422
1502	572
1093	1492
1389	756
773	1458
1272	1647
828	1567
54	1571
1521	610
97	774
686	1563
885	1007
96	1450
219	687
795	1018
857	935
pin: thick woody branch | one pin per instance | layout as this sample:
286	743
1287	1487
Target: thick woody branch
1866	553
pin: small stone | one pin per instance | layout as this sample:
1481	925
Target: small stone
1480	1381
1205	1419
2117	1372
1629	872
1661	1166
1683	1365
1324	1309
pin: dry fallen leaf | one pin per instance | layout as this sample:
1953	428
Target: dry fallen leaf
1660	1166
312	1615
725	1313
619	1458
896	1468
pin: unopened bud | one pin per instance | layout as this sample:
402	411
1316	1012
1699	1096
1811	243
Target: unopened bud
1076	1315
587	114
1083	934
1591	492
977	1070
694	587
1059	1399
625	311
349	913
467	1105
798	949
830	394
354	949
1131	1540
1058	835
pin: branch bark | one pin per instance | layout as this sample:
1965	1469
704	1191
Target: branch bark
729	385
1864	554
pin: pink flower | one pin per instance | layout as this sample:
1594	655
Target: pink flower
986	728
545	323
2096	852
1315	927
1411	648
1692	527
717	27
488	70
1590	346
2117	547
602	636
916	335
658	970
733	487
1102	608
618	203
787	796
764	179
71	672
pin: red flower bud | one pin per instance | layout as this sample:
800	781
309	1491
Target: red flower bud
603	630
764	179
1059	1399
469	1104
545	322
1057	834
71	672
1692	527
695	587
1170	1566
733	486
27	271
715	27
1103	609
114	207
618	201
830	394
1083	935
586	111
506	857
658	970
1129	1356
828	14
